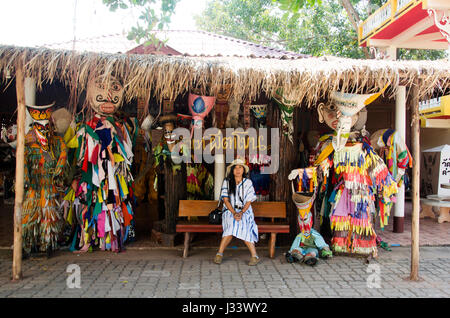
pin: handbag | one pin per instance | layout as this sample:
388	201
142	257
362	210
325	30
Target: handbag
215	216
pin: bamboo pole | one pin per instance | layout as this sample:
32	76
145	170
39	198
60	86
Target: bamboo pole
19	188
415	145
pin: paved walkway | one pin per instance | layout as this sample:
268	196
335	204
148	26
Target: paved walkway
164	273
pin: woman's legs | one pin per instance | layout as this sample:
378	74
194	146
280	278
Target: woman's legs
227	239
224	243
251	247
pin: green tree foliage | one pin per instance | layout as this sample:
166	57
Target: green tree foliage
315	27
324	29
155	14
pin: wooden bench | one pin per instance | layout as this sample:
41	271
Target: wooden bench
276	211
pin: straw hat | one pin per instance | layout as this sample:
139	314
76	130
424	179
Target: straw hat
237	162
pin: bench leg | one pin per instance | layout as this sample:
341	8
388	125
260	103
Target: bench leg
273	239
444	215
186	244
427	210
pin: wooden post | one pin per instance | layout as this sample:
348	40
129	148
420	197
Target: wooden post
280	189
19	189
186	244
415	145
174	191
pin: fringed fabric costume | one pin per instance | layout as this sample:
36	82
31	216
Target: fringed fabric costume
308	243
199	183
45	159
394	153
261	180
359	179
101	201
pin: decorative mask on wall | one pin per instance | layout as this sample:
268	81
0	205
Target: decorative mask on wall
105	95
41	123
168	123
260	112
199	106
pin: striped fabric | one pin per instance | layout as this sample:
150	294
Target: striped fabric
245	229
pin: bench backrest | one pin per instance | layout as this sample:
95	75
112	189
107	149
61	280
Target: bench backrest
268	209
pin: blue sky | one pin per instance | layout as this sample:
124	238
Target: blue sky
32	22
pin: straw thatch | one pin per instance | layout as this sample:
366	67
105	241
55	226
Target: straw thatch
304	80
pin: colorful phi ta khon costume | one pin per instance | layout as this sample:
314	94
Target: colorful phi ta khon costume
359	179
45	159
102	199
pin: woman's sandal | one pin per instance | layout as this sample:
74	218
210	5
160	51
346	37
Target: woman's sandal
253	261
218	259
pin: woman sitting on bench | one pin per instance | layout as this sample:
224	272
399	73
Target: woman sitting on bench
237	217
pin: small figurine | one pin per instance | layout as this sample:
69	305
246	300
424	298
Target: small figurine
309	244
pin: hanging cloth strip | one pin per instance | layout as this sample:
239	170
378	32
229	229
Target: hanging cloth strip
306	179
287	114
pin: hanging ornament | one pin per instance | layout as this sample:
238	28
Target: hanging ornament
260	112
287	113
199	106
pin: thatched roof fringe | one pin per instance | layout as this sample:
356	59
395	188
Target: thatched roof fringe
306	81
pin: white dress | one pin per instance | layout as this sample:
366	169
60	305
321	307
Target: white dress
245	229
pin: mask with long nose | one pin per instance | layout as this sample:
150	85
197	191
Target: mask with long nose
343	113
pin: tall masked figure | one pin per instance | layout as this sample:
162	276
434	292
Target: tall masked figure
45	159
357	183
100	202
308	244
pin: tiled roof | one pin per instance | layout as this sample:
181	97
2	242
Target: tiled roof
189	43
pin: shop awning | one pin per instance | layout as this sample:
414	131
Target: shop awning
411	24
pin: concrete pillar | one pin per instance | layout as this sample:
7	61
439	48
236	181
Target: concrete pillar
30	99
400	127
219	174
30	91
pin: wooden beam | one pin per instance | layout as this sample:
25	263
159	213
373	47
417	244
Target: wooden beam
413	30
415	145
435	123
436	4
418	42
425	45
428	37
20	164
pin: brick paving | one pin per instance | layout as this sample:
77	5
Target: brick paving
163	273
148	271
